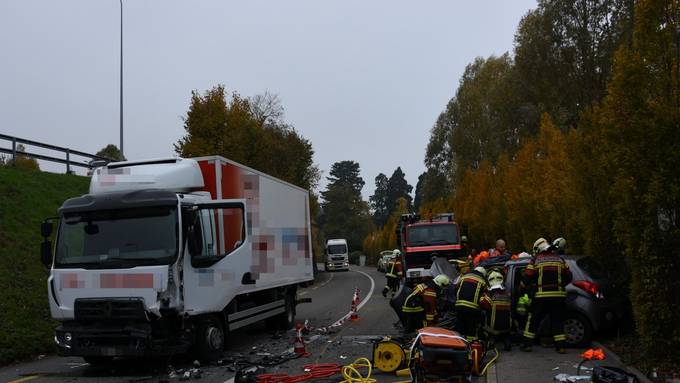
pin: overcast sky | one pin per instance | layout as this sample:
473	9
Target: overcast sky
363	80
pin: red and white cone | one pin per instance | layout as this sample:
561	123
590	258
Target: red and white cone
299	346
353	314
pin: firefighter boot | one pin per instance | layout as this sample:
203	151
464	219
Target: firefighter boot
384	291
526	345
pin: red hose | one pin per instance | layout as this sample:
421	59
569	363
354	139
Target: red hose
312	371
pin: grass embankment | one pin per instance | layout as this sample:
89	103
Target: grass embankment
26	198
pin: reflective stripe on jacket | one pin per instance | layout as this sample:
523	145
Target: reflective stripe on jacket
548	275
422	299
471	288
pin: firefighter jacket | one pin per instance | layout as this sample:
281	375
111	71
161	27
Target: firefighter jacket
547	276
499	306
423	299
394	269
471	288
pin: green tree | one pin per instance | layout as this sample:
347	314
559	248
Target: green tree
397	188
378	201
563	56
112	152
344	213
639	120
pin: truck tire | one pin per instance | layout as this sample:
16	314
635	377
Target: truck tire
577	329
285	320
209	342
98	360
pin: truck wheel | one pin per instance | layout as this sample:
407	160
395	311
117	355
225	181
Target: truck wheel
285	320
98	360
209	339
577	329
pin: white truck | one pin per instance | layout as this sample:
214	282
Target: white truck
167	256
337	255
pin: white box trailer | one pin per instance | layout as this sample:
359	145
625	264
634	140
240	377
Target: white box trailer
165	255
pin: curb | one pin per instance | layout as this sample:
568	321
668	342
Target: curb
610	354
491	376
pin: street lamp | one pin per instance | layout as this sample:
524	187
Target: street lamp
121	78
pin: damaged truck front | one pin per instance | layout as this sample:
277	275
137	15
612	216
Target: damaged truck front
166	256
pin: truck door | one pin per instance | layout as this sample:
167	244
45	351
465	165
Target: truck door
218	256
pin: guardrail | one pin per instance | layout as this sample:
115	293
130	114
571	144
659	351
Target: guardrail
14	152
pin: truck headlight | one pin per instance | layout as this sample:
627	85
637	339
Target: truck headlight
345	264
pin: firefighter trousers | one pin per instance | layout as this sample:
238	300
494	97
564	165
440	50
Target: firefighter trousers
540	307
469	321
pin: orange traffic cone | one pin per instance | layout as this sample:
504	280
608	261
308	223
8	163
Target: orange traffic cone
299	346
353	314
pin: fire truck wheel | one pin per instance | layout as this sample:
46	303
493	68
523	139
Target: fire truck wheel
209	339
98	360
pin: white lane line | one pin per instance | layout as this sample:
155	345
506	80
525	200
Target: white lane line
316	287
323	284
361	304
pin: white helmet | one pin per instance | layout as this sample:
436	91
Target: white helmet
495	278
560	243
524	254
481	270
541	245
396	252
442	280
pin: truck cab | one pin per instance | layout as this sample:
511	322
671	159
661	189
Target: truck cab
421	240
337	255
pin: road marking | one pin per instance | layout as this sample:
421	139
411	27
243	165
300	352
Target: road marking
316	287
361	304
25	379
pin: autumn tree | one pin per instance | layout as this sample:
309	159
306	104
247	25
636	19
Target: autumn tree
250	132
112	152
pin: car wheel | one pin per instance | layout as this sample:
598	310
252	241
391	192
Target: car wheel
577	329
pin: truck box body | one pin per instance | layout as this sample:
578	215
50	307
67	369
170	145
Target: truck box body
162	250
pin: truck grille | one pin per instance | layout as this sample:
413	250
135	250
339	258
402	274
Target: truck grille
340	258
91	309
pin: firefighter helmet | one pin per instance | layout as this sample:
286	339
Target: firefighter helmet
560	243
495	280
541	245
481	270
442	280
396	252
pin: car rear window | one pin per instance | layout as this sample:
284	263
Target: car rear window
591	267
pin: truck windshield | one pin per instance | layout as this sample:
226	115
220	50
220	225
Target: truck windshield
427	235
118	238
337	249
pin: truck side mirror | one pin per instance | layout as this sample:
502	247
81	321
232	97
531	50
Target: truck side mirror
46	229
46	253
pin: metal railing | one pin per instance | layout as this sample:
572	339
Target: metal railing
14	152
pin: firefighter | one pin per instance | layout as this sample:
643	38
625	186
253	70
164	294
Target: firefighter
421	306
499	310
393	274
546	278
471	289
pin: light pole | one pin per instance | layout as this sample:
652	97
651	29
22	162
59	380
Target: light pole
121	78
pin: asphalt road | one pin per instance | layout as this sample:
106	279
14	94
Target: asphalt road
331	300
